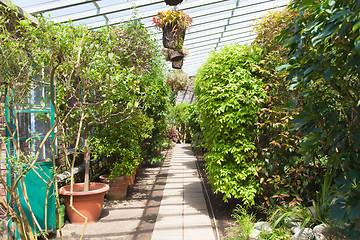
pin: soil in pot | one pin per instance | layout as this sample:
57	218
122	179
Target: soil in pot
173	38
88	203
118	187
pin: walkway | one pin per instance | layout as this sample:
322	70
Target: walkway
183	214
166	202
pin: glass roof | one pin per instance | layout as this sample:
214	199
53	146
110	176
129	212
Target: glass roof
215	23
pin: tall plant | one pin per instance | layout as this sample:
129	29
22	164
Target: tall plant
229	96
323	64
19	78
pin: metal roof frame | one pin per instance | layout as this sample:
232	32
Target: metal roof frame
215	23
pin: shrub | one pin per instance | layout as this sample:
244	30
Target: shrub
181	116
193	122
177	80
288	177
229	96
323	64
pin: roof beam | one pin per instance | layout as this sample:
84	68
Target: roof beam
148	14
55	5
22	12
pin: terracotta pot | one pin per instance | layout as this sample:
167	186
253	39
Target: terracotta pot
131	178
175	55
87	203
178	64
118	187
173	38
173	2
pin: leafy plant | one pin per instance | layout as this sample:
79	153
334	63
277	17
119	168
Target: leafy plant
172	18
244	224
121	145
181	116
229	96
177	80
193	123
323	64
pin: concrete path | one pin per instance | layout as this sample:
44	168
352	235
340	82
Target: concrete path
183	214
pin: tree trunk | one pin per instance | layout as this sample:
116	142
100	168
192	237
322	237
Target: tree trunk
87	163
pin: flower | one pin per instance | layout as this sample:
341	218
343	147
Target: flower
173	18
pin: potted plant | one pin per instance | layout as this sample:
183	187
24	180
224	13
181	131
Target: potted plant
173	23
84	95
122	175
173	2
120	144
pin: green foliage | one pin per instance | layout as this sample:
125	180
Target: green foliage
109	78
177	80
244	228
172	18
323	63
244	224
229	96
287	178
181	116
122	144
193	122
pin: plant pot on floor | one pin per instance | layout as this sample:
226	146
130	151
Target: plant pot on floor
173	2
88	203
131	178
118	187
173	38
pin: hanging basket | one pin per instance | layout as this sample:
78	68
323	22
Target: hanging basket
175	55
173	38
177	64
173	2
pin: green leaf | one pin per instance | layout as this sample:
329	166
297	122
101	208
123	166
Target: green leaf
328	74
340	14
337	212
357	140
354	211
356	26
282	67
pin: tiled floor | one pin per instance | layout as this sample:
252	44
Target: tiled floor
183	213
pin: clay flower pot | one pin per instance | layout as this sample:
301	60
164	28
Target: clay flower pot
118	187
131	178
87	203
173	2
173	38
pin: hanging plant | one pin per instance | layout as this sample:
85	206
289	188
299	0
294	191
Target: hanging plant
175	56
173	2
178	64
173	23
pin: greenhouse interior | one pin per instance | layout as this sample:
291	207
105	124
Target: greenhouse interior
180	119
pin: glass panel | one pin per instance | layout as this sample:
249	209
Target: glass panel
31	146
39	99
33	124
